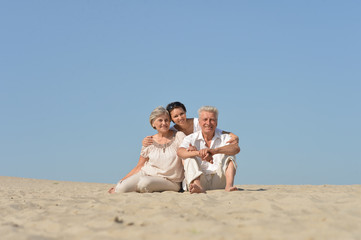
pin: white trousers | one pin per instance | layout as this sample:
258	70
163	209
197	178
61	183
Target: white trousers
212	181
140	182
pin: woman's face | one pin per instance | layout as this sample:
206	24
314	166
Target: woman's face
162	123
178	116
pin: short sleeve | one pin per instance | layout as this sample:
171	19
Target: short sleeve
144	152
186	141
180	136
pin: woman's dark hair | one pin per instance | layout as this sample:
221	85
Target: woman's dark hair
174	105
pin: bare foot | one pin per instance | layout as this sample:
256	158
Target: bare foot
231	189
112	190
194	188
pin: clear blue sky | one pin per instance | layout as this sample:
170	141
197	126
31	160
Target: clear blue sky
78	80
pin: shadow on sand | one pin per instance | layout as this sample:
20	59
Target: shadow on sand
256	190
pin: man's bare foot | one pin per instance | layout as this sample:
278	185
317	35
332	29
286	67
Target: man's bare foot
112	190
194	188
231	189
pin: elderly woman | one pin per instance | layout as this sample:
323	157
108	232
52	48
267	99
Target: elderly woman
177	112
159	168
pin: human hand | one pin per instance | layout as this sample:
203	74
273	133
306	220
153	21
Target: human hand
208	158
111	190
206	155
234	139
147	141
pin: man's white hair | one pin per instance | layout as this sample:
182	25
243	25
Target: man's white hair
208	109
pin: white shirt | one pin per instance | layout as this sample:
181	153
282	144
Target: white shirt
219	140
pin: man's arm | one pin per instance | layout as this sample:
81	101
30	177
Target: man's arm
204	154
184	153
186	149
231	149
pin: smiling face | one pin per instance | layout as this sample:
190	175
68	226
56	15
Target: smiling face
178	116
208	122
162	123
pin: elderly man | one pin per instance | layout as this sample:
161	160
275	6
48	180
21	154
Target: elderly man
209	161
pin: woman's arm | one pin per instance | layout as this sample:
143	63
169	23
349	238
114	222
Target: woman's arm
136	169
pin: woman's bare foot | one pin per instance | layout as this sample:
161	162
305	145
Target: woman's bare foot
231	188
112	190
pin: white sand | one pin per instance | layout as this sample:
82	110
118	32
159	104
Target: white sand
44	209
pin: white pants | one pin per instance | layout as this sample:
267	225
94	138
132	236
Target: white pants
140	182
212	181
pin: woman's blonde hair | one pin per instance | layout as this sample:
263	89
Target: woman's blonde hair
158	111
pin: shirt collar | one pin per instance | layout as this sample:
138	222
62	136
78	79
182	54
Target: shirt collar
217	134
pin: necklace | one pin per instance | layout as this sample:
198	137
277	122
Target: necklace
164	145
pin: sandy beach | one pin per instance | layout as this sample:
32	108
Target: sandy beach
46	209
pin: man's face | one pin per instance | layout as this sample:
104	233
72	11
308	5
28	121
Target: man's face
208	122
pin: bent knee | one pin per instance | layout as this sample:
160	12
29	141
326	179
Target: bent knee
143	185
231	165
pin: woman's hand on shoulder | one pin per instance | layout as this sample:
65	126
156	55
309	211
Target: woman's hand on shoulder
234	139
147	141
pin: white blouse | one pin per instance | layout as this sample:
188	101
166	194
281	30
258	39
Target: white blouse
163	160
